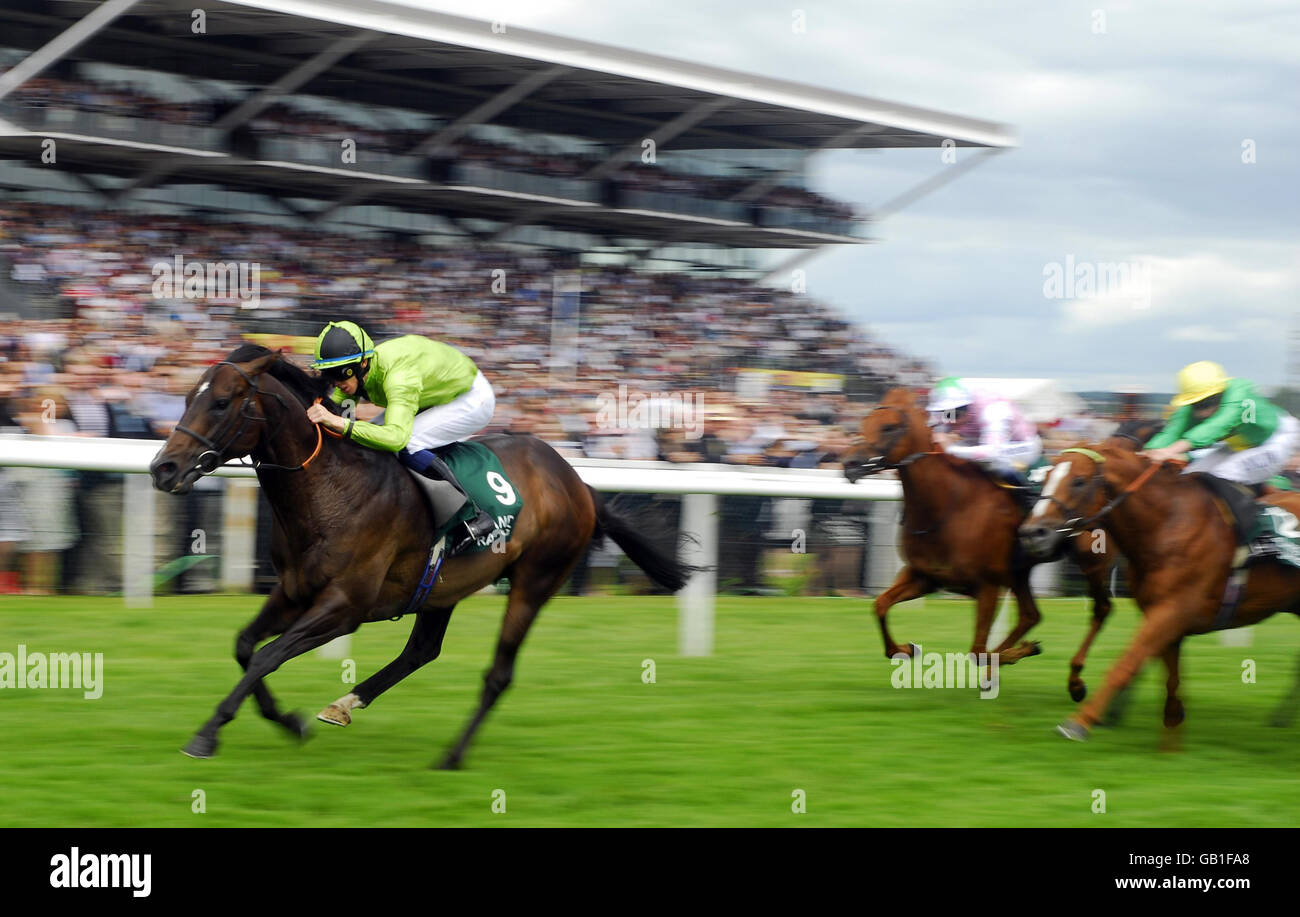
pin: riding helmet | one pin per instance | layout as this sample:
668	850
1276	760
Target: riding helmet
340	348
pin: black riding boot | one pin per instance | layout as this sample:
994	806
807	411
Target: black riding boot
466	534
1025	493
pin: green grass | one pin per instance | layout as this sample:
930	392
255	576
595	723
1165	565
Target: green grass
796	696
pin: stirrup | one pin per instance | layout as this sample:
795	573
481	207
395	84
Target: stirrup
468	533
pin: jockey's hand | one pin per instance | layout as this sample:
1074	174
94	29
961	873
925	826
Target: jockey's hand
319	414
1168	453
944	440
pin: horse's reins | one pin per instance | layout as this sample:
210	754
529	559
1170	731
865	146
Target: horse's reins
1077	524
210	459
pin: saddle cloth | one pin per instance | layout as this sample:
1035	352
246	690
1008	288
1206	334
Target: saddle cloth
484	478
1268	532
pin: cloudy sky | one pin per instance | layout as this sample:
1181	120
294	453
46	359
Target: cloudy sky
1132	119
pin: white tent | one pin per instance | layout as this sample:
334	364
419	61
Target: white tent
1040	400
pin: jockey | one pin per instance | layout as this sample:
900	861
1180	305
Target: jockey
983	428
1245	437
432	395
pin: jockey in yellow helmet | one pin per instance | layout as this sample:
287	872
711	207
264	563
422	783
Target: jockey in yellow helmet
1244	436
432	395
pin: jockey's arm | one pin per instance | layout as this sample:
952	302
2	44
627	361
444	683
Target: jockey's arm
403	396
1173	431
1221	424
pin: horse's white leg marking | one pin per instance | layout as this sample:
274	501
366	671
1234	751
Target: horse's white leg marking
338	712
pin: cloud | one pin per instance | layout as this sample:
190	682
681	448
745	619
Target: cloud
1131	148
1202	333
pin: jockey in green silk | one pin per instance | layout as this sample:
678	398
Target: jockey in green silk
432	395
1244	436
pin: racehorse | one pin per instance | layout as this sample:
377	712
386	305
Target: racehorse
1180	549
352	536
959	531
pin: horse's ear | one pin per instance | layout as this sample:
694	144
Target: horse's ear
259	365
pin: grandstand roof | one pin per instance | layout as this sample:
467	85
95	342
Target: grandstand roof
601	92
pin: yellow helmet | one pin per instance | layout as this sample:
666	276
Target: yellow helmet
1198	381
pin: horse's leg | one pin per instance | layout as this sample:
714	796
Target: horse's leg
906	586
1174	711
1284	715
270	621
986	606
1160	627
531	585
326	620
1027	617
1172	738
423	647
1101	605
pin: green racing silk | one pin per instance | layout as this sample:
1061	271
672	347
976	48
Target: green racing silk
1244	420
407	375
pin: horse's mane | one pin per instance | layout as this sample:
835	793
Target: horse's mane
307	387
1137	431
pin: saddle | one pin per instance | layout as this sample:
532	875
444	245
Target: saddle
444	500
1238	505
1238	501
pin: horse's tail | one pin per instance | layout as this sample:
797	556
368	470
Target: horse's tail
644	541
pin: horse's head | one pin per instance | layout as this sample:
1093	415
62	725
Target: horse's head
890	433
224	420
1075	491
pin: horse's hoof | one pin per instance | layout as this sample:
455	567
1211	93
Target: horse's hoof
1078	692
297	725
1035	649
334	714
1073	730
449	763
1281	720
200	747
1175	716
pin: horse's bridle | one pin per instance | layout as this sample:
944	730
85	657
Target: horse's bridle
1077	524
211	459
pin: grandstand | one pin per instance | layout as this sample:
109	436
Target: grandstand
461	131
428	173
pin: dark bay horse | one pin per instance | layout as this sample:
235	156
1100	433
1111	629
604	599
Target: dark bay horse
352	534
1180	549
960	531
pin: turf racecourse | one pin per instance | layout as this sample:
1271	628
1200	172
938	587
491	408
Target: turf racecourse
796	697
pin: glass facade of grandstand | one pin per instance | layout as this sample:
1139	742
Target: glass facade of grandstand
163	111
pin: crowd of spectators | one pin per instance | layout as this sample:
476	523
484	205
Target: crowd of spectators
645	333
119	359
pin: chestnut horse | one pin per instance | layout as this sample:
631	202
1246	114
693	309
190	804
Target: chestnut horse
1180	549
352	536
959	531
